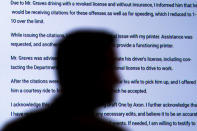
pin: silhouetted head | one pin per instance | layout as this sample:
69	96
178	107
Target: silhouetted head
86	68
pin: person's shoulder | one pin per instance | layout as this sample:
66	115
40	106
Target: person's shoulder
92	124
107	126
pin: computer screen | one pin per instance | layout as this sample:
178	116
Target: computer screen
156	58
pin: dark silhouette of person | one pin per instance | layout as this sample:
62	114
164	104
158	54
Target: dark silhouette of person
86	71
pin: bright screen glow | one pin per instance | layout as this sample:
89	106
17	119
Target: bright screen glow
156	58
